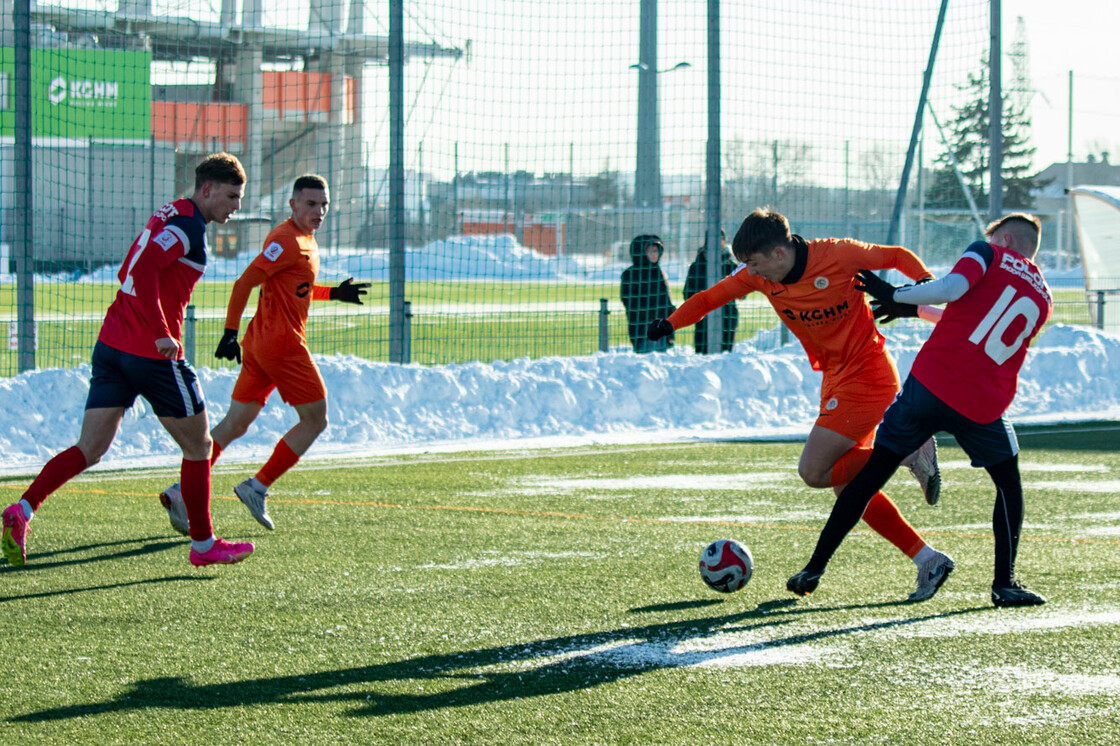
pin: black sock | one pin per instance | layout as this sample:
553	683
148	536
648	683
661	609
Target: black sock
1007	519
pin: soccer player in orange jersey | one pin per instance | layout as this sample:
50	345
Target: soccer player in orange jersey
811	285
276	355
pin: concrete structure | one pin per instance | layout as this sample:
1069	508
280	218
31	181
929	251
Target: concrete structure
286	101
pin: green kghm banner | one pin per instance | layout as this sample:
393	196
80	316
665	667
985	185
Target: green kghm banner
81	93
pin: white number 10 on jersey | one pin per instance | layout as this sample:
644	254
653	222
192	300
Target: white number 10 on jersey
1003	313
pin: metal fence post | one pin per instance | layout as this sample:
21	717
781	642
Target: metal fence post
188	335
604	326
406	342
1100	310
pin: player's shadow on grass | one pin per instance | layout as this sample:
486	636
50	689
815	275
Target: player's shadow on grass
110	586
496	674
145	546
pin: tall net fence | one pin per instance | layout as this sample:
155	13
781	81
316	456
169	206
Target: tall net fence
538	140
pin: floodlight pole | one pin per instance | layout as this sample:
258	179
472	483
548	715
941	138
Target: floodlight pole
396	184
995	119
647	177
713	191
904	182
21	179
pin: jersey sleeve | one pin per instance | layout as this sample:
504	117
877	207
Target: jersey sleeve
181	237
321	292
239	295
974	262
277	256
875	256
718	295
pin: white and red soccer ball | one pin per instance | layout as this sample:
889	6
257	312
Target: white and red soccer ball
726	565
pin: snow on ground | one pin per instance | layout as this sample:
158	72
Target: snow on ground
760	390
1072	374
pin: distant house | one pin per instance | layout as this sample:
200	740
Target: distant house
1095	171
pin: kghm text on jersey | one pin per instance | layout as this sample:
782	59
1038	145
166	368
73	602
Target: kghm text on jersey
816	314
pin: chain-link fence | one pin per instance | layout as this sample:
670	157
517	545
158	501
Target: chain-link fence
534	141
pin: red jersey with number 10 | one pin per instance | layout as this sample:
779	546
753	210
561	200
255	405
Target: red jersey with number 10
972	359
157	277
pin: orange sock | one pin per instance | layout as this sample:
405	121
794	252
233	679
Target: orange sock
848	465
883	516
282	459
215	451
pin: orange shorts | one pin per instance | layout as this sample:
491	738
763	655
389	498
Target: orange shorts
295	376
853	405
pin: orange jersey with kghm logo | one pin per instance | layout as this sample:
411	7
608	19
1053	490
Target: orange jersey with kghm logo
832	320
286	270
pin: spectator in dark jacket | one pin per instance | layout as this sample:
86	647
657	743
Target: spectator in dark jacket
645	293
697	280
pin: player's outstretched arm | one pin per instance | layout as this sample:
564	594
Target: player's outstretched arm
349	291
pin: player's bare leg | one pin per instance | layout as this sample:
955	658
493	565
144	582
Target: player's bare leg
239	417
823	449
99	427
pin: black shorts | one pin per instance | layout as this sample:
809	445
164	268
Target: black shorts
170	386
916	414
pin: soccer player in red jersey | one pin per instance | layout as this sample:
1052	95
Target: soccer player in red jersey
275	355
962	381
811	285
138	353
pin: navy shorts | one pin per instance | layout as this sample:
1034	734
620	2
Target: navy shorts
170	386
916	414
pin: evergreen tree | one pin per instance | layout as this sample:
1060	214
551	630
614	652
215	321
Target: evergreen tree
968	134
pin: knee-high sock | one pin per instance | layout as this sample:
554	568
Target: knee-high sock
194	481
848	465
215	451
56	472
282	459
884	517
851	504
1007	518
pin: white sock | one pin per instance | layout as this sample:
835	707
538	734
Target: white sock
203	546
28	513
925	554
257	485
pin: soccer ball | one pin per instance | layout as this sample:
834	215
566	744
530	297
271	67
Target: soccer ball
726	565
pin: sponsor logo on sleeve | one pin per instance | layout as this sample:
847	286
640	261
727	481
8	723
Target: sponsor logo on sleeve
273	251
166	239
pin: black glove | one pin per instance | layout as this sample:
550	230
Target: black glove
349	292
887	311
875	286
228	349
658	328
884	306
